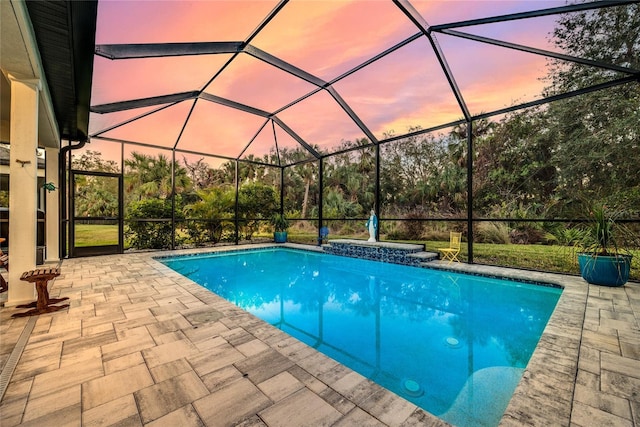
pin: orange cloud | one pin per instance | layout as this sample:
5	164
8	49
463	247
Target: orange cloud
326	38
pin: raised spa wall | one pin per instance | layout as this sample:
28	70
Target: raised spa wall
396	253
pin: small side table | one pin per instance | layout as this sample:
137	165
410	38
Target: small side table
43	305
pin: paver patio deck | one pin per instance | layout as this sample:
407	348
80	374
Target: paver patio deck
142	345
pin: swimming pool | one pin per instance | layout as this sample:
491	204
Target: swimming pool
454	344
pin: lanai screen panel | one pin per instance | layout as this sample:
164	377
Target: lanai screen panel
401	92
101	123
442	11
158	129
321	122
98	156
328	38
501	77
255	83
217	129
178	21
127	79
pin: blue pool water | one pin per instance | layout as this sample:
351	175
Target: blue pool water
454	344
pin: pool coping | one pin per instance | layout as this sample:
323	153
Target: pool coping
545	393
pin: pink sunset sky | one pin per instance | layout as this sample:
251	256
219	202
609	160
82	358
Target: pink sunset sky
403	90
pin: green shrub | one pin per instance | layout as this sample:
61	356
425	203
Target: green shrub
492	232
208	216
148	224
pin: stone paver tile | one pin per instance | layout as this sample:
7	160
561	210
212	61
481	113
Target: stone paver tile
211	344
216	358
170	337
280	386
172	324
165	353
622	385
170	370
80	310
135	340
303	408
66	376
616	324
601	341
630	346
137	314
11	411
92	341
38	360
622	365
357	417
43	323
635	413
109	387
111	413
123	328
221	378
204	332
338	401
350	381
264	365
241	399
63	324
167	309
47	404
124	362
612	404
80	356
388	408
588	379
311	382
254	421
317	363
88	331
251	348
17	390
183	417
98	320
420	418
237	336
586	416
48	339
69	416
160	399
589	360
138	306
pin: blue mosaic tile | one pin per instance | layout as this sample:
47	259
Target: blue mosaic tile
374	253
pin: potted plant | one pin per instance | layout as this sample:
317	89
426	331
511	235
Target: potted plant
604	253
280	227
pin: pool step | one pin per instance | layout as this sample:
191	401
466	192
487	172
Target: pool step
424	257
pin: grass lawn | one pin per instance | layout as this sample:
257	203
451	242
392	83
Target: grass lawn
96	235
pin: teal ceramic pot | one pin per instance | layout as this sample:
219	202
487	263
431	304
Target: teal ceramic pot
605	270
280	236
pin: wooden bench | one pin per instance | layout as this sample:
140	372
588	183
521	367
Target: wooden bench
41	277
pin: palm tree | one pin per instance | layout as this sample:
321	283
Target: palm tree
150	177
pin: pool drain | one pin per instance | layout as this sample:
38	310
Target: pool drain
452	342
412	388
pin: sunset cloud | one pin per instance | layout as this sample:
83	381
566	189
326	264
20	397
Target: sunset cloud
402	91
